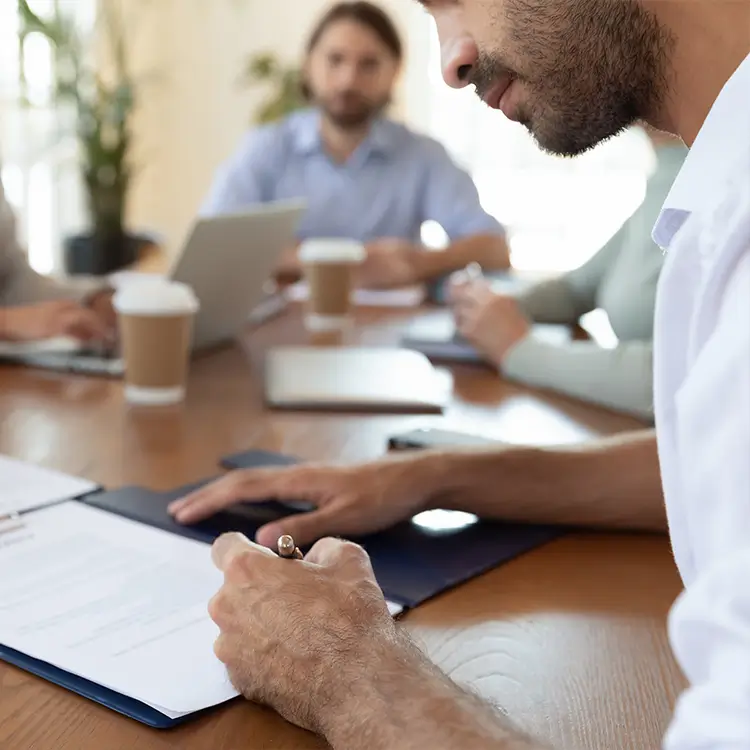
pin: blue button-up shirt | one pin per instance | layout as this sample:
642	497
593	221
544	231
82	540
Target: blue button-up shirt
394	182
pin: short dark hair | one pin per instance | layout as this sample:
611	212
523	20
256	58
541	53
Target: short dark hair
368	15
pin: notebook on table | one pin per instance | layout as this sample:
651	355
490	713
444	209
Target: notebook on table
434	335
377	379
502	282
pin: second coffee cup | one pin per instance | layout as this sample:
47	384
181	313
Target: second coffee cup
156	326
328	266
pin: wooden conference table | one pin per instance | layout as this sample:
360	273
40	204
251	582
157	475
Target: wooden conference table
569	639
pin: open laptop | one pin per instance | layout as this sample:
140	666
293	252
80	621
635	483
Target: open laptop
227	260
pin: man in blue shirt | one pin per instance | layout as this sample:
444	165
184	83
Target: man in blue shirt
363	176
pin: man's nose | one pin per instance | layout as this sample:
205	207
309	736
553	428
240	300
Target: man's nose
348	76
458	56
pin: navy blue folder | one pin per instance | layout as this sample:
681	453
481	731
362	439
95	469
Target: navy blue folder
412	562
109	698
93	691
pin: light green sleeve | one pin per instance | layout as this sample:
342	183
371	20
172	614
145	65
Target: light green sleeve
619	378
566	298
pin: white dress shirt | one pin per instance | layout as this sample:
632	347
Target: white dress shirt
702	403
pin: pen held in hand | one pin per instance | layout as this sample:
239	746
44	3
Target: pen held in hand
287	548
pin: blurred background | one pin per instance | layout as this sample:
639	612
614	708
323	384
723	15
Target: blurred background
197	74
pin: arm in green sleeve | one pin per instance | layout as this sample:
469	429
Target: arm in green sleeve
568	297
619	378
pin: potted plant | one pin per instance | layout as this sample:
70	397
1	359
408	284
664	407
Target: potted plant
286	87
102	108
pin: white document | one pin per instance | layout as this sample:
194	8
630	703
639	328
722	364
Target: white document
24	486
116	602
119	603
410	296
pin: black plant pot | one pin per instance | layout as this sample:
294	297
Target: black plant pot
92	255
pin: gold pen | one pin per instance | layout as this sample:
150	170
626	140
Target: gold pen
287	548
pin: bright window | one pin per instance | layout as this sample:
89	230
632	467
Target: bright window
39	157
558	211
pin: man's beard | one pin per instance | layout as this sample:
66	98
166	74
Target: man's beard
589	68
351	111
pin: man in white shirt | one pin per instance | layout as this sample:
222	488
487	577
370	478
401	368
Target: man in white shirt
326	655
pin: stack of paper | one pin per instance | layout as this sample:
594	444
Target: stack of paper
115	602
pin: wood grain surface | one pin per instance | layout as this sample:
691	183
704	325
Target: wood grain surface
569	639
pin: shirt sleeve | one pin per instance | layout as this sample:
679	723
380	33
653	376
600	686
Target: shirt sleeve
19	283
244	179
567	298
709	626
619	378
451	199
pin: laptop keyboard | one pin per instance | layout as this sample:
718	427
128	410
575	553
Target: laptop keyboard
85	362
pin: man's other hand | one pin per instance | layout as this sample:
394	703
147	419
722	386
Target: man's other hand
349	500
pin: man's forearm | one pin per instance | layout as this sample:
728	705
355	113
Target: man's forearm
489	250
404	701
613	483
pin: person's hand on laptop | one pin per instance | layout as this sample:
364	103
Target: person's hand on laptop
349	500
493	323
51	319
101	303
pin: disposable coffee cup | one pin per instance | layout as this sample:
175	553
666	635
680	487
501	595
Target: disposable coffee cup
328	266
155	320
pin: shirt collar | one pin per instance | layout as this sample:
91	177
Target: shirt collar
380	139
712	158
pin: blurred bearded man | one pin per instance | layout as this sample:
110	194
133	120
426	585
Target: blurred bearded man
363	176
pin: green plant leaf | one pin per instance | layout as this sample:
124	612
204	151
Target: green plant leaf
286	93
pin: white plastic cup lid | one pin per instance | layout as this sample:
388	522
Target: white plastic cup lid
157	296
331	250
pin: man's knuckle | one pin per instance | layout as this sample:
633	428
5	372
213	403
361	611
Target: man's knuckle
222	649
352	551
240	563
217	607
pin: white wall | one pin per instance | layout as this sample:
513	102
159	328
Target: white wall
194	113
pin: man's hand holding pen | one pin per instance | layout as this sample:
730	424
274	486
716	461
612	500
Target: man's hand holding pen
493	323
320	622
